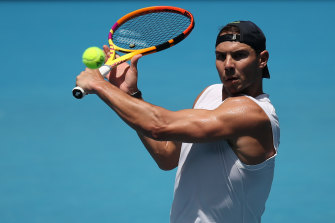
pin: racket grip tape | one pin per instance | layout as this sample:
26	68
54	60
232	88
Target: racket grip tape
79	93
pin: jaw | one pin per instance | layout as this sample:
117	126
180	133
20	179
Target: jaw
232	90
239	87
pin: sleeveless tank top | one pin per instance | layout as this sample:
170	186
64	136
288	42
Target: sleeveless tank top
212	184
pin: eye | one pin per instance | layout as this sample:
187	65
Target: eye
239	55
220	56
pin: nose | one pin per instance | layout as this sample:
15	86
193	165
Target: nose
229	65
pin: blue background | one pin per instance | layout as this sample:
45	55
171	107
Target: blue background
67	160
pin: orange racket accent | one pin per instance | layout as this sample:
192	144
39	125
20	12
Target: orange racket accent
145	31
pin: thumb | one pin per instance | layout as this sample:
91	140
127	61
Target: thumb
134	61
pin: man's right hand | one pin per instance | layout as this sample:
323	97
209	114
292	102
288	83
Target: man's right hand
124	76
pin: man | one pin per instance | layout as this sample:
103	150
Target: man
224	147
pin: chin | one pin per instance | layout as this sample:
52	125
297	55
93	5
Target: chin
232	90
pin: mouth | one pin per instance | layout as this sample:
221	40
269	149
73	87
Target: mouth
231	79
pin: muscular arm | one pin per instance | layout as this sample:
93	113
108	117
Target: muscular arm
238	120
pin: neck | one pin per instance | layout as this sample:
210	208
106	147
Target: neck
254	92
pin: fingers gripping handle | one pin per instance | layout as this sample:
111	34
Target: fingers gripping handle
79	93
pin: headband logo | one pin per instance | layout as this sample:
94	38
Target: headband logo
233	37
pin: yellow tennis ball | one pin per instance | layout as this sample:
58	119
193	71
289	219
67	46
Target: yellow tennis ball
93	57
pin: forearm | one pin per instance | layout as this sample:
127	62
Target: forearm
138	114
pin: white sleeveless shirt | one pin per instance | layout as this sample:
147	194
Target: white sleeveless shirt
212	184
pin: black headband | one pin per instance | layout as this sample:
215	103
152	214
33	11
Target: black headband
227	37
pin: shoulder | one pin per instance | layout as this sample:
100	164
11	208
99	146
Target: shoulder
215	89
199	95
242	113
243	103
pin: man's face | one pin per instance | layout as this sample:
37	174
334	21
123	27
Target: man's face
239	67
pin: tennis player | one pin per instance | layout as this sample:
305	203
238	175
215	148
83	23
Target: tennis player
224	147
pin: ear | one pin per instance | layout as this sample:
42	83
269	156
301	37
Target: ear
263	58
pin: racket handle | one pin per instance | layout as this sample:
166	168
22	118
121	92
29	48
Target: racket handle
79	93
104	70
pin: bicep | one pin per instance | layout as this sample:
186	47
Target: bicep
193	125
230	119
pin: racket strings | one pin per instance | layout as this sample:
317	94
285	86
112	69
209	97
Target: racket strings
150	30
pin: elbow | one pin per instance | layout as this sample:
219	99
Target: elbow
167	166
165	158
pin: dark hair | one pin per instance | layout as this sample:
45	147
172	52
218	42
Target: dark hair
229	29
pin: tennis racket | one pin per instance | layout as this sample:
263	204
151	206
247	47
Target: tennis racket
144	31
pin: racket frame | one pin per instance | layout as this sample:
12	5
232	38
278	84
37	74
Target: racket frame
79	93
112	62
